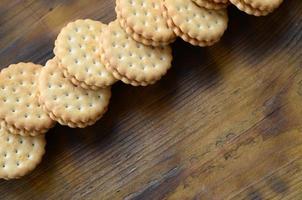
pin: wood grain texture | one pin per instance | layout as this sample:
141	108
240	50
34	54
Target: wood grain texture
224	123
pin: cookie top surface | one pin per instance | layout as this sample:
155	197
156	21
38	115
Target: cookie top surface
69	102
144	17
199	23
19	154
264	4
133	59
140	38
77	48
19	105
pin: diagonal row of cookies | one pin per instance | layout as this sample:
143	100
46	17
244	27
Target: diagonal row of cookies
74	88
32	99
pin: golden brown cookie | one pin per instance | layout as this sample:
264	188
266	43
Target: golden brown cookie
131	60
257	7
128	81
143	20
19	154
78	51
211	4
69	104
19	105
194	24
265	5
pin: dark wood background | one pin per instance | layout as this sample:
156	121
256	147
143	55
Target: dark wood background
224	123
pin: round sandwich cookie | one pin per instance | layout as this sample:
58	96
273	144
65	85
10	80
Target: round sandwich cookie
19	154
197	25
257	7
19	104
144	22
69	104
78	51
211	4
131	61
126	80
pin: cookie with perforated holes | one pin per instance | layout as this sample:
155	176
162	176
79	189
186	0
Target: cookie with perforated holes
212	4
144	22
197	25
19	105
257	7
68	104
19	154
77	49
130	61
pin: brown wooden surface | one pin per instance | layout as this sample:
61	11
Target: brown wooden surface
224	123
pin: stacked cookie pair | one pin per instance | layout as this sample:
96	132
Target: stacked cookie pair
194	23
75	86
199	22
